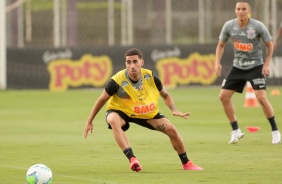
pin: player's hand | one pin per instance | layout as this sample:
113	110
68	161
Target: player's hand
266	70
183	115
88	127
218	68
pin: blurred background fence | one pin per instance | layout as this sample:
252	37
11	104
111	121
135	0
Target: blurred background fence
86	23
65	44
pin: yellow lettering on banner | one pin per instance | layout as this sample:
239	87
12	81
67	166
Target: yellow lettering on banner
88	70
198	69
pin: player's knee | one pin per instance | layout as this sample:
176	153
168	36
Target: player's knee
171	131
262	100
223	97
115	122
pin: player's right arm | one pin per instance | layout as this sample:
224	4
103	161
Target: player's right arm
218	55
223	38
94	111
110	89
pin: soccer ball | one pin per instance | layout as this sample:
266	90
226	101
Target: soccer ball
39	174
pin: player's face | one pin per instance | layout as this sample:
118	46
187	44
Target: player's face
242	11
134	65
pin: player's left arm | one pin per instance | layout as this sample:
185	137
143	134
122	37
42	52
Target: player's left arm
170	103
168	99
269	52
267	39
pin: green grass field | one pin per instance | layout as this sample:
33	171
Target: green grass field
46	127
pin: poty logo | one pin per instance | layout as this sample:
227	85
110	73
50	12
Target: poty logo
144	109
89	70
196	68
243	46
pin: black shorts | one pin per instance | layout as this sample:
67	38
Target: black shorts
138	121
237	78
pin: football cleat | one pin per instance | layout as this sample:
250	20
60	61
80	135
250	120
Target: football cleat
135	165
190	166
235	136
276	137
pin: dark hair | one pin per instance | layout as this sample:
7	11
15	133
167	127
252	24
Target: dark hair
244	2
132	52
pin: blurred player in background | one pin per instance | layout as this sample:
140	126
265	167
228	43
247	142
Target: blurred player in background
278	35
248	65
132	96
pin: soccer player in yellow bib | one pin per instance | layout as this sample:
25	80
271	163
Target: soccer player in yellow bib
132	95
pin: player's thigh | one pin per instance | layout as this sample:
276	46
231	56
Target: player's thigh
257	79
261	94
114	119
226	94
162	124
235	80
